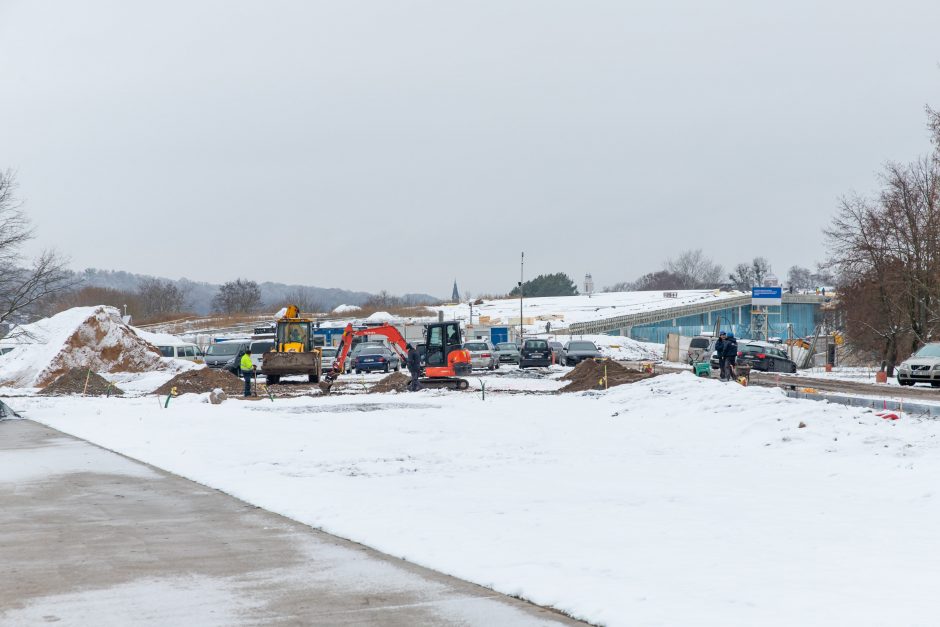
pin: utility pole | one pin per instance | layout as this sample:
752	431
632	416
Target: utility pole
521	274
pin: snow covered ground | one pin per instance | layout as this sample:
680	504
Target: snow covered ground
674	501
564	310
846	373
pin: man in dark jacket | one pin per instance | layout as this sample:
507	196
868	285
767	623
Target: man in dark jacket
414	367
720	354
730	351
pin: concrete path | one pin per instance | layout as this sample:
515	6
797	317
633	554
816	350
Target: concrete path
88	537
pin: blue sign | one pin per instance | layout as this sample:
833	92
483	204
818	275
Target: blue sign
766	296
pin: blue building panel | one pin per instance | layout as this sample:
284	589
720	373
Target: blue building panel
736	320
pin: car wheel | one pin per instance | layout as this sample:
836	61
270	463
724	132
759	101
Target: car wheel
386	367
935	384
313	378
397	367
792	368
273	379
358	371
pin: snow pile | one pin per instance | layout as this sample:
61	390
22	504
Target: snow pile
159	339
94	338
346	308
381	316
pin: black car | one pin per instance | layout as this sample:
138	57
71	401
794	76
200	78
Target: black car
535	353
577	351
760	357
225	355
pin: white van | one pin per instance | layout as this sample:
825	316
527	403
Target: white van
258	349
189	352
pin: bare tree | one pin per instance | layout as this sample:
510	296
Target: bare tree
742	277
800	278
305	300
158	298
698	270
23	284
239	296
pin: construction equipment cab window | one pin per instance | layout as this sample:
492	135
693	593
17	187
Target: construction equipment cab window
442	341
293	333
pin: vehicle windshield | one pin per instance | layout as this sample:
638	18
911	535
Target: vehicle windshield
372	350
166	351
536	344
260	348
581	346
224	349
930	350
329	352
506	347
475	346
698	342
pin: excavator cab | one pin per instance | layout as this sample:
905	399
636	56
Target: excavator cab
445	356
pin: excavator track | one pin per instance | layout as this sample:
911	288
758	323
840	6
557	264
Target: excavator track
449	383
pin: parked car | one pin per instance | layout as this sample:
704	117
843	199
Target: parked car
257	349
760	356
327	358
358	348
557	349
508	353
698	347
577	351
483	355
225	354
376	358
535	352
921	367
189	352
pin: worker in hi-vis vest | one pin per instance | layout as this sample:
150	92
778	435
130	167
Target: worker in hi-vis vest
248	369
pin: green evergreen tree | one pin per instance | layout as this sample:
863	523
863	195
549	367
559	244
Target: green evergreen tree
558	284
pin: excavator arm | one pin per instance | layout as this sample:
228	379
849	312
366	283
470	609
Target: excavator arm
386	330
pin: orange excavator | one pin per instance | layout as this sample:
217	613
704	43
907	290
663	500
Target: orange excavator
445	360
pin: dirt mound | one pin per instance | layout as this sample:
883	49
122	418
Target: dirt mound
88	338
395	382
588	375
203	380
73	382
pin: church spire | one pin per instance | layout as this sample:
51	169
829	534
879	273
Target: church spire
456	295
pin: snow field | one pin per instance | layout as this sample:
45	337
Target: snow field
673	501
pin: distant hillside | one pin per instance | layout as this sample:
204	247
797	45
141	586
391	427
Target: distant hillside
199	295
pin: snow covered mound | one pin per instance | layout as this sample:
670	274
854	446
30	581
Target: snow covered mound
381	316
346	308
83	337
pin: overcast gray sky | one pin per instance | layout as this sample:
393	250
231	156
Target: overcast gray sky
415	142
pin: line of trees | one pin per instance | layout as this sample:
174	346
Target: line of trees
886	250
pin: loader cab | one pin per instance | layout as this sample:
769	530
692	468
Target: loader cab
443	338
293	336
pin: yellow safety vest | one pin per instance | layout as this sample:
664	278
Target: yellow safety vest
246	362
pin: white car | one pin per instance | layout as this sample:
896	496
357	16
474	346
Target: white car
921	367
327	358
483	355
189	352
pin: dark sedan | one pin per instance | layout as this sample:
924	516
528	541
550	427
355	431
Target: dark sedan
577	351
376	358
761	357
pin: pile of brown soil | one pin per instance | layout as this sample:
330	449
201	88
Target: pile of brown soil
589	375
203	380
395	382
73	382
104	343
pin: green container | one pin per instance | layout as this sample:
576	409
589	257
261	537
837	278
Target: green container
702	369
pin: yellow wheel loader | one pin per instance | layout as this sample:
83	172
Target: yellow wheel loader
293	352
